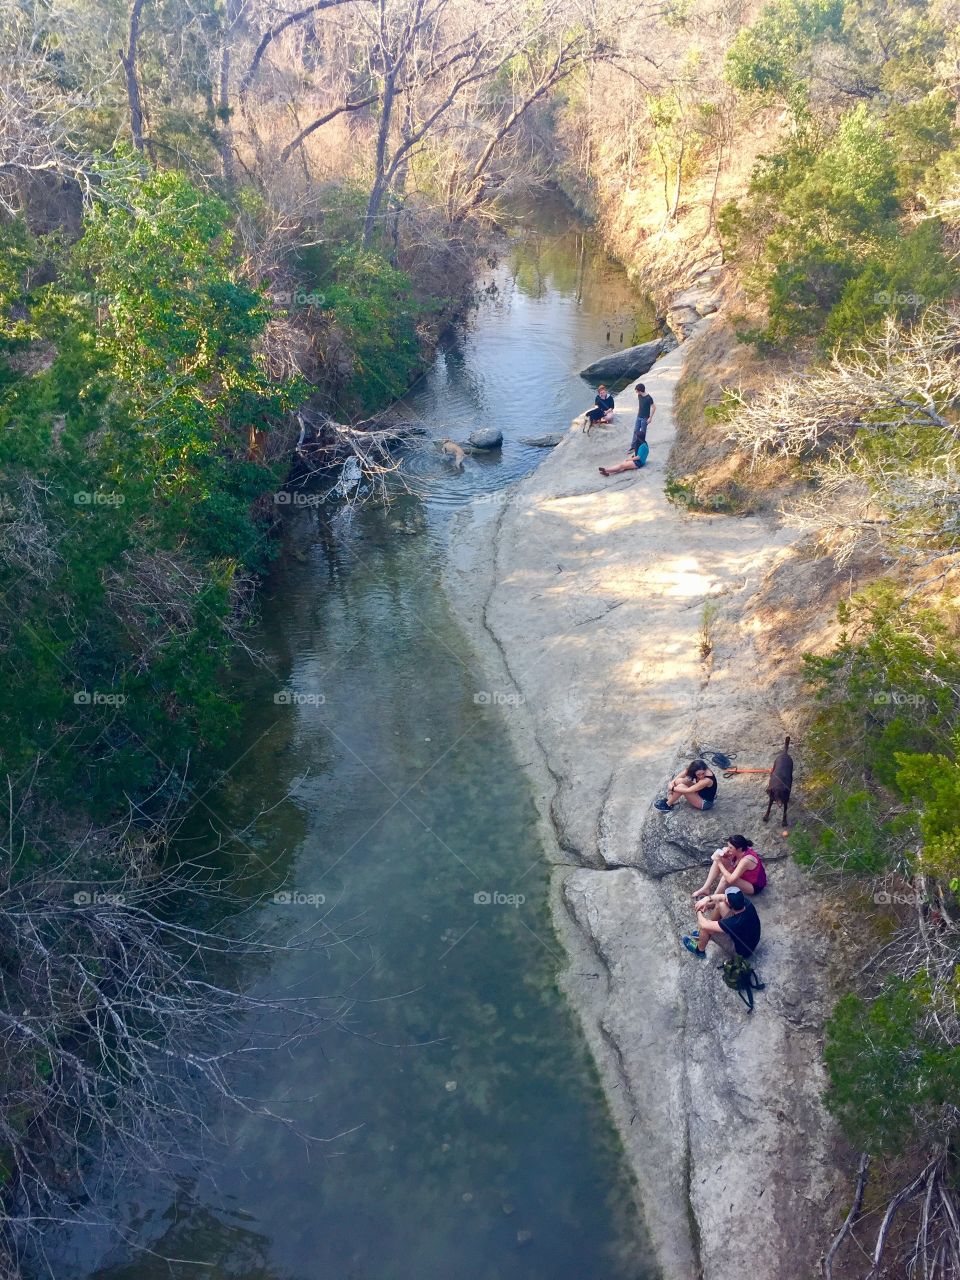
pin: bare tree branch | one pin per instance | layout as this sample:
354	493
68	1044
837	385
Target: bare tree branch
272	33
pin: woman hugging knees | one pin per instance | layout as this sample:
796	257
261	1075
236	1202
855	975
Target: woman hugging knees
696	784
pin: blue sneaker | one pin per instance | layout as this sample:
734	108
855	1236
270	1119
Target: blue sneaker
661	805
692	947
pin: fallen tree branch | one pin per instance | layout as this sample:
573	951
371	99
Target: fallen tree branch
826	1264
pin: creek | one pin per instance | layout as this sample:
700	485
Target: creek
374	788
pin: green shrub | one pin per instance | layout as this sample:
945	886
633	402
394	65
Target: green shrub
373	304
889	1078
769	57
916	274
127	489
820	235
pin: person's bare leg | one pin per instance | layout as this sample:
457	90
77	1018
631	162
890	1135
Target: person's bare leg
674	797
703	937
712	877
620	466
745	885
722	940
724	944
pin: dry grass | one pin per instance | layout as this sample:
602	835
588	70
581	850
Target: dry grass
709	472
663	254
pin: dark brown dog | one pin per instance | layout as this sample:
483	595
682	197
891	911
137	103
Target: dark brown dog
781	782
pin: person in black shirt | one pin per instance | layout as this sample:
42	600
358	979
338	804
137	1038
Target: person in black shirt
602	410
697	784
645	411
732	925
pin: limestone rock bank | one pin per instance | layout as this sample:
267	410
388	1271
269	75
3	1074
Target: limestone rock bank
627	627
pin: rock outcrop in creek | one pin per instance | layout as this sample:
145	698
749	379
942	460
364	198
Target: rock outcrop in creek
589	598
632	362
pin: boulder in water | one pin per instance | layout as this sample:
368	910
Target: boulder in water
549	441
486	438
630	363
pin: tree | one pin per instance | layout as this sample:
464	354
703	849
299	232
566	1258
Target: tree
414	60
878	426
128	58
129	534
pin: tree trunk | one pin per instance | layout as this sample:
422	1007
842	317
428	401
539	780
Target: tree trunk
588	154
377	193
676	190
129	61
379	189
666	180
711	225
225	135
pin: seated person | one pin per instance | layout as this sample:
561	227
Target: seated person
737	863
696	784
732	925
602	410
636	460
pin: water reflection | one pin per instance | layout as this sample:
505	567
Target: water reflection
554	304
465	1137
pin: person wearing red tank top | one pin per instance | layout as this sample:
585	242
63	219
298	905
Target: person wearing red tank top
737	865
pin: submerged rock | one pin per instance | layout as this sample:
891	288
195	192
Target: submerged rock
630	363
549	441
486	438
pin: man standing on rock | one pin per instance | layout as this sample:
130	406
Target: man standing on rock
645	411
733	925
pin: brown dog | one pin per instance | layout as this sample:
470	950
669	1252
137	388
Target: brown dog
453	453
781	782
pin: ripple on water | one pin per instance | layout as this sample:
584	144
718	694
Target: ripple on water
387	783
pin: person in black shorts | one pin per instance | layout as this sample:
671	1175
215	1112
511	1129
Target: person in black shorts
602	410
696	784
732	925
636	460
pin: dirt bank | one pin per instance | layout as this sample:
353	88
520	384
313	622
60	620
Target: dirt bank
625	626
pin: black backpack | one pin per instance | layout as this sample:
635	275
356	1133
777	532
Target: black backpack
741	977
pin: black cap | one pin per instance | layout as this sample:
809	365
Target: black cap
735	898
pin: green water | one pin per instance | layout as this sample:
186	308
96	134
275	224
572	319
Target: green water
466	1137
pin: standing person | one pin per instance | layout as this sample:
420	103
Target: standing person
602	410
696	784
737	864
732	925
645	411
